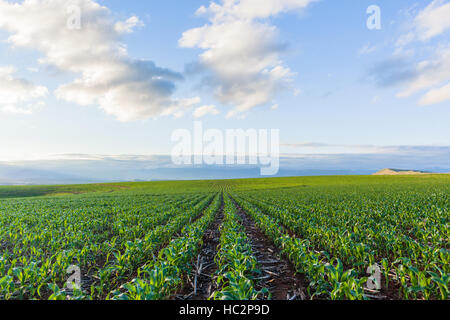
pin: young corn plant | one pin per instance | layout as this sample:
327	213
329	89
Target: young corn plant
235	259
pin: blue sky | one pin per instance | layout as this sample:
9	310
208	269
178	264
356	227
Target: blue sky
341	94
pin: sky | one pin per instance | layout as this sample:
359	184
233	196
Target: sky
134	71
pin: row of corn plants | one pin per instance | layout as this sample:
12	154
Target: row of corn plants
136	252
418	269
42	239
164	275
327	277
236	262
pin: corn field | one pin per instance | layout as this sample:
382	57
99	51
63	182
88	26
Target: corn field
332	238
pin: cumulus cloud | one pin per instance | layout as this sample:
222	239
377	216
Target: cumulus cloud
436	95
205	110
429	73
126	88
128	25
433	20
241	50
429	23
19	95
428	76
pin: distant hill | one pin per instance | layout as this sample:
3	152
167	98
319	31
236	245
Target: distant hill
391	172
19	175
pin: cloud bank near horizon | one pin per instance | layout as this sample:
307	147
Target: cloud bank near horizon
85	168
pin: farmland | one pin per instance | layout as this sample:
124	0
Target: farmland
282	238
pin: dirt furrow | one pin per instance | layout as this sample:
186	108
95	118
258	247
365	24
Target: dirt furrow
392	293
90	276
202	282
278	275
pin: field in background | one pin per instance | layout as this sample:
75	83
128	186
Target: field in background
280	238
158	187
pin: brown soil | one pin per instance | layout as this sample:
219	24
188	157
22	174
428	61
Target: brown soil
202	282
277	274
386	293
89	276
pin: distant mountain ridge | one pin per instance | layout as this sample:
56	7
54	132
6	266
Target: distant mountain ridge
390	172
15	175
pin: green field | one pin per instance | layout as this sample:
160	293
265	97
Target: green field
209	239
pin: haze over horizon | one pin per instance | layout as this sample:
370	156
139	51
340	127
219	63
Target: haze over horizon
73	169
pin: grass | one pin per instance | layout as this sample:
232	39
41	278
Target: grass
165	187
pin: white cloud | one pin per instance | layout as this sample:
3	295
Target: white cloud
436	95
427	24
242	50
251	9
429	74
128	25
433	20
205	110
367	49
180	106
297	92
126	88
19	95
32	69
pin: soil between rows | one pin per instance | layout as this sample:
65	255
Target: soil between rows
278	275
90	277
201	283
391	293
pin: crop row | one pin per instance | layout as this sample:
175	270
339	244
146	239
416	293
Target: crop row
37	249
418	269
236	262
162	277
327	277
